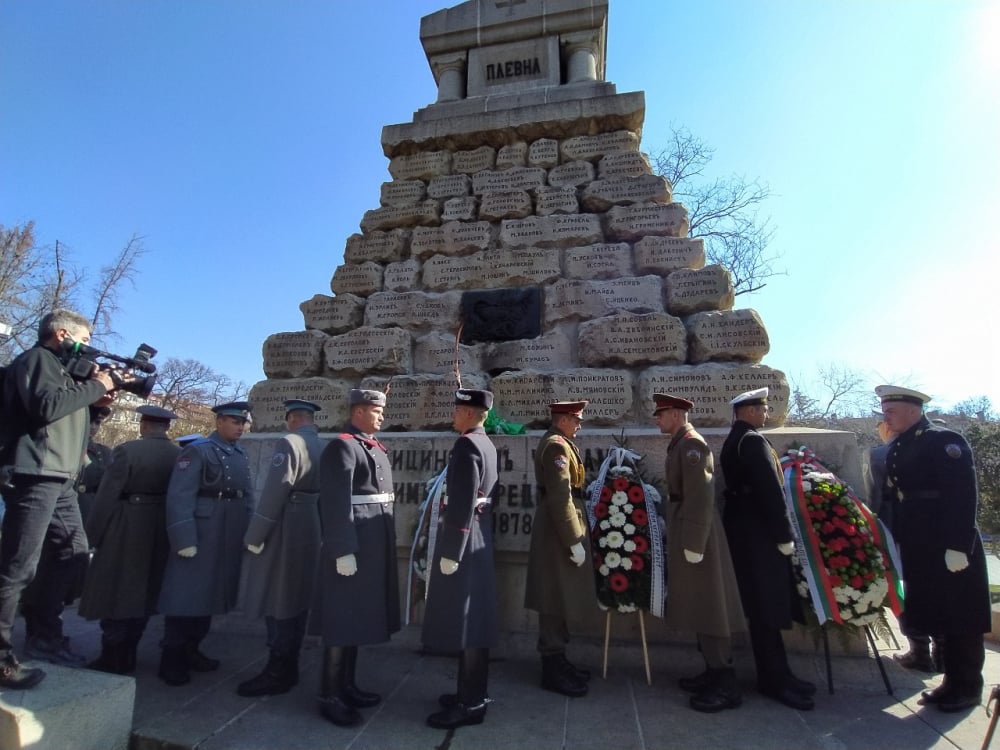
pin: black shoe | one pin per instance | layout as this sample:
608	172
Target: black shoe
941	693
954	702
198	662
339	712
458	715
111	661
14	676
580	675
715	698
352	695
803	687
174	666
272	681
447	700
789	697
697	683
918	660
557	680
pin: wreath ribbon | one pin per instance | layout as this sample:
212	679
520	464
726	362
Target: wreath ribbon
427	515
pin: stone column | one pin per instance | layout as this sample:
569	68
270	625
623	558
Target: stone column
581	50
449	72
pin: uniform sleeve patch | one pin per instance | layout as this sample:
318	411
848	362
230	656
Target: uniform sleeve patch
693	456
183	463
561	462
953	450
278	460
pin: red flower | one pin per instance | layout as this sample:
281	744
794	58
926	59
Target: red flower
827	527
620	484
835	581
856	582
840	510
639	516
637	562
605	493
641	544
857	541
860	555
601	510
618	582
635	494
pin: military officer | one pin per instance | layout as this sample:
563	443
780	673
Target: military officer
208	507
560	583
96	463
761	543
127	528
359	599
703	593
282	544
461	610
931	473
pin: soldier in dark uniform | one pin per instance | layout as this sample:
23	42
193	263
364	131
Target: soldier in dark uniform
461	613
283	543
208	507
95	464
931	473
760	540
359	603
127	528
560	584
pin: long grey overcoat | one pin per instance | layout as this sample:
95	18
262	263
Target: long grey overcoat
279	581
462	607
208	506
127	528
702	597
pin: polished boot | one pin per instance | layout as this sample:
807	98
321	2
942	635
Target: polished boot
278	677
936	695
459	715
353	695
197	661
804	687
917	658
720	693
174	666
697	683
554	678
113	659
937	654
959	700
333	680
580	675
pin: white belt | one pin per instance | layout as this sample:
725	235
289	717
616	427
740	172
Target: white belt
385	497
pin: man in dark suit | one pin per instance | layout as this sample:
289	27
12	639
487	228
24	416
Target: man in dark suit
461	595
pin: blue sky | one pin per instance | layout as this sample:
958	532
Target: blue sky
241	140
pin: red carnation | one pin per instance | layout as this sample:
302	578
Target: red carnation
620	484
641	544
856	582
618	582
840	510
857	541
637	562
601	510
605	493
827	528
639	516
635	494
860	555
835	581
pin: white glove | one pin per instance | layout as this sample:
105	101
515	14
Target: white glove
955	560
188	552
693	557
347	565
577	555
786	548
256	548
448	566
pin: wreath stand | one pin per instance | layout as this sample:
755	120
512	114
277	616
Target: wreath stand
878	658
645	648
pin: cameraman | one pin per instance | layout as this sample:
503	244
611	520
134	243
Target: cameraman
49	421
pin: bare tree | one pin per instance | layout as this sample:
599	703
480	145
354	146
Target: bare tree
187	386
123	269
723	211
836	391
977	407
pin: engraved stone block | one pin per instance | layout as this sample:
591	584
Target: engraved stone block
585	300
381	247
523	396
575	174
361	279
476	160
709	288
551	351
414	310
556	200
712	386
449	186
423	166
561	230
726	336
626	340
604	261
466	237
443	272
435	353
543	153
630	223
664	255
624	164
520	267
501	314
593	147
600	195
512	155
402	276
402	192
295	354
425	214
426	241
516	178
369	350
423	402
333	314
512	205
268	397
460	209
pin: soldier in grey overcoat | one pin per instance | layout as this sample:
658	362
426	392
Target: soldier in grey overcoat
703	596
283	543
461	612
127	529
208	507
358	587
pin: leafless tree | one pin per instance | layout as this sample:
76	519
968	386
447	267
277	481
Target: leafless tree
187	386
123	269
977	407
723	210
836	390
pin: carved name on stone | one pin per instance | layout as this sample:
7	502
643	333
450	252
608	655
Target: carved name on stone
624	164
512	155
600	195
476	160
443	272
585	300
543	153
268	397
626	340
435	353
551	351
366	350
664	255
333	314
423	166
519	267
630	223
523	396
712	386
593	147
569	230
460	209
414	310
709	288
556	200
402	192
454	238
726	336
512	205
426	213
380	247
295	354
425	402
403	276
449	186
361	279
575	174
603	261
516	178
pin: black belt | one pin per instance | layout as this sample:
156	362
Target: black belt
143	499
231	495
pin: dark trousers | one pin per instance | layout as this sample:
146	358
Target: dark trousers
717	652
43	533
473	674
284	637
183	631
769	656
964	656
553	635
122	631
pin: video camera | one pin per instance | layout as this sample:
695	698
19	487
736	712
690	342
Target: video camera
81	359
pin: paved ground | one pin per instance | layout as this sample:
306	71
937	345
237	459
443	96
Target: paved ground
621	712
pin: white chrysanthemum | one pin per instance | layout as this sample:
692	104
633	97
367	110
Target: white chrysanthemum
612	560
619	498
629	528
841	594
604	570
629	546
806	486
615	539
605	525
602	542
626	608
618	519
626	563
628	508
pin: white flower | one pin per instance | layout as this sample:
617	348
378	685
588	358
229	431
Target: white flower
628	508
629	546
806	486
617	520
626	563
619	498
614	539
612	560
626	608
602	542
605	525
603	570
620	471
629	529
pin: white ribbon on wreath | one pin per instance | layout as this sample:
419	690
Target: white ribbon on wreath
434	498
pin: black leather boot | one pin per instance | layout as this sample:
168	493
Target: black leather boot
720	693
580	675
556	679
458	715
697	683
174	666
353	695
112	659
197	661
918	657
333	680
278	677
